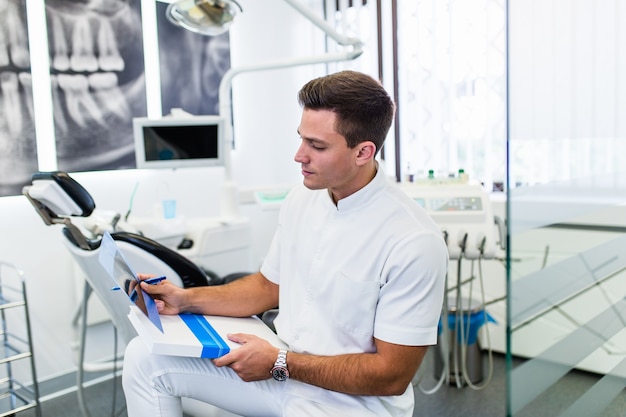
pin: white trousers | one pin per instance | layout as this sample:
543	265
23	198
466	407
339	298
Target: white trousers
154	384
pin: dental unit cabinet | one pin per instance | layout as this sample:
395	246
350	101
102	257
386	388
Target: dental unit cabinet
473	234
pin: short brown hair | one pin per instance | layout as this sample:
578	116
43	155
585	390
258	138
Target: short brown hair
364	109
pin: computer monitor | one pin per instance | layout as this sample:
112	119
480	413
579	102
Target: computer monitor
178	142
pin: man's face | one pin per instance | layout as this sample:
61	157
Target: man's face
324	156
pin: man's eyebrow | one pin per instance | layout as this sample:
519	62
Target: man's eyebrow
309	139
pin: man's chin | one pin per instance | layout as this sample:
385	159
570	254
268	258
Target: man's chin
311	185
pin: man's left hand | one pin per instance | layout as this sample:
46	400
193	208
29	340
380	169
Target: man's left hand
253	360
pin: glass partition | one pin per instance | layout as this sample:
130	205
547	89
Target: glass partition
566	193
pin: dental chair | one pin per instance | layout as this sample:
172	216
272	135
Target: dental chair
60	200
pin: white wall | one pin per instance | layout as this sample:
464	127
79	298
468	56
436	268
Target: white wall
266	117
266	113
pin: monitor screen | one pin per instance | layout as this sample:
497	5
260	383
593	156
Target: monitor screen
172	142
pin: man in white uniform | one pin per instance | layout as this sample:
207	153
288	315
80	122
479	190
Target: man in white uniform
356	268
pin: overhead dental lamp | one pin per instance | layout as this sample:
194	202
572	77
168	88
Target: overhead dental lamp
206	17
214	17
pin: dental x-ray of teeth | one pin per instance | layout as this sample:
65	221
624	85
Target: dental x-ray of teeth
191	67
18	148
98	77
98	85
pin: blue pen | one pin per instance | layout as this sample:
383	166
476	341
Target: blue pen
151	281
154	280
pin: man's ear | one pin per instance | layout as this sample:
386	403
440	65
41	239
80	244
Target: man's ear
366	151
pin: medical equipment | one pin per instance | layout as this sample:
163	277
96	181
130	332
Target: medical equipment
206	17
462	335
210	17
463	212
179	142
59	199
190	16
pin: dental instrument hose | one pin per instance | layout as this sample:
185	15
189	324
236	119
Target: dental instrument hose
444	341
458	328
460	370
467	331
444	350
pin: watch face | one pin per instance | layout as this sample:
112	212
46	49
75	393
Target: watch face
280	373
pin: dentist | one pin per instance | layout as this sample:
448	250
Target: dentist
356	269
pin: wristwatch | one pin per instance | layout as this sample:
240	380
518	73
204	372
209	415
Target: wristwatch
279	371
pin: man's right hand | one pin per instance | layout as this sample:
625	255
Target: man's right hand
168	297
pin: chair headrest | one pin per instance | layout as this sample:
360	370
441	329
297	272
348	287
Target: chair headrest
190	274
61	194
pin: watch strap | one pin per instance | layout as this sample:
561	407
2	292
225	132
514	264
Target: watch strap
279	371
281	360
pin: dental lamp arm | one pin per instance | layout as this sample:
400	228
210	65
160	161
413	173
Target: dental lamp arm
229	203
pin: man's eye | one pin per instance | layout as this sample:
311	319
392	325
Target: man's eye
316	146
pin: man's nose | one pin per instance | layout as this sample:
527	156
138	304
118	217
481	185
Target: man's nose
300	155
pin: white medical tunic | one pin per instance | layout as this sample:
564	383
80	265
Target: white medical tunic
372	266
